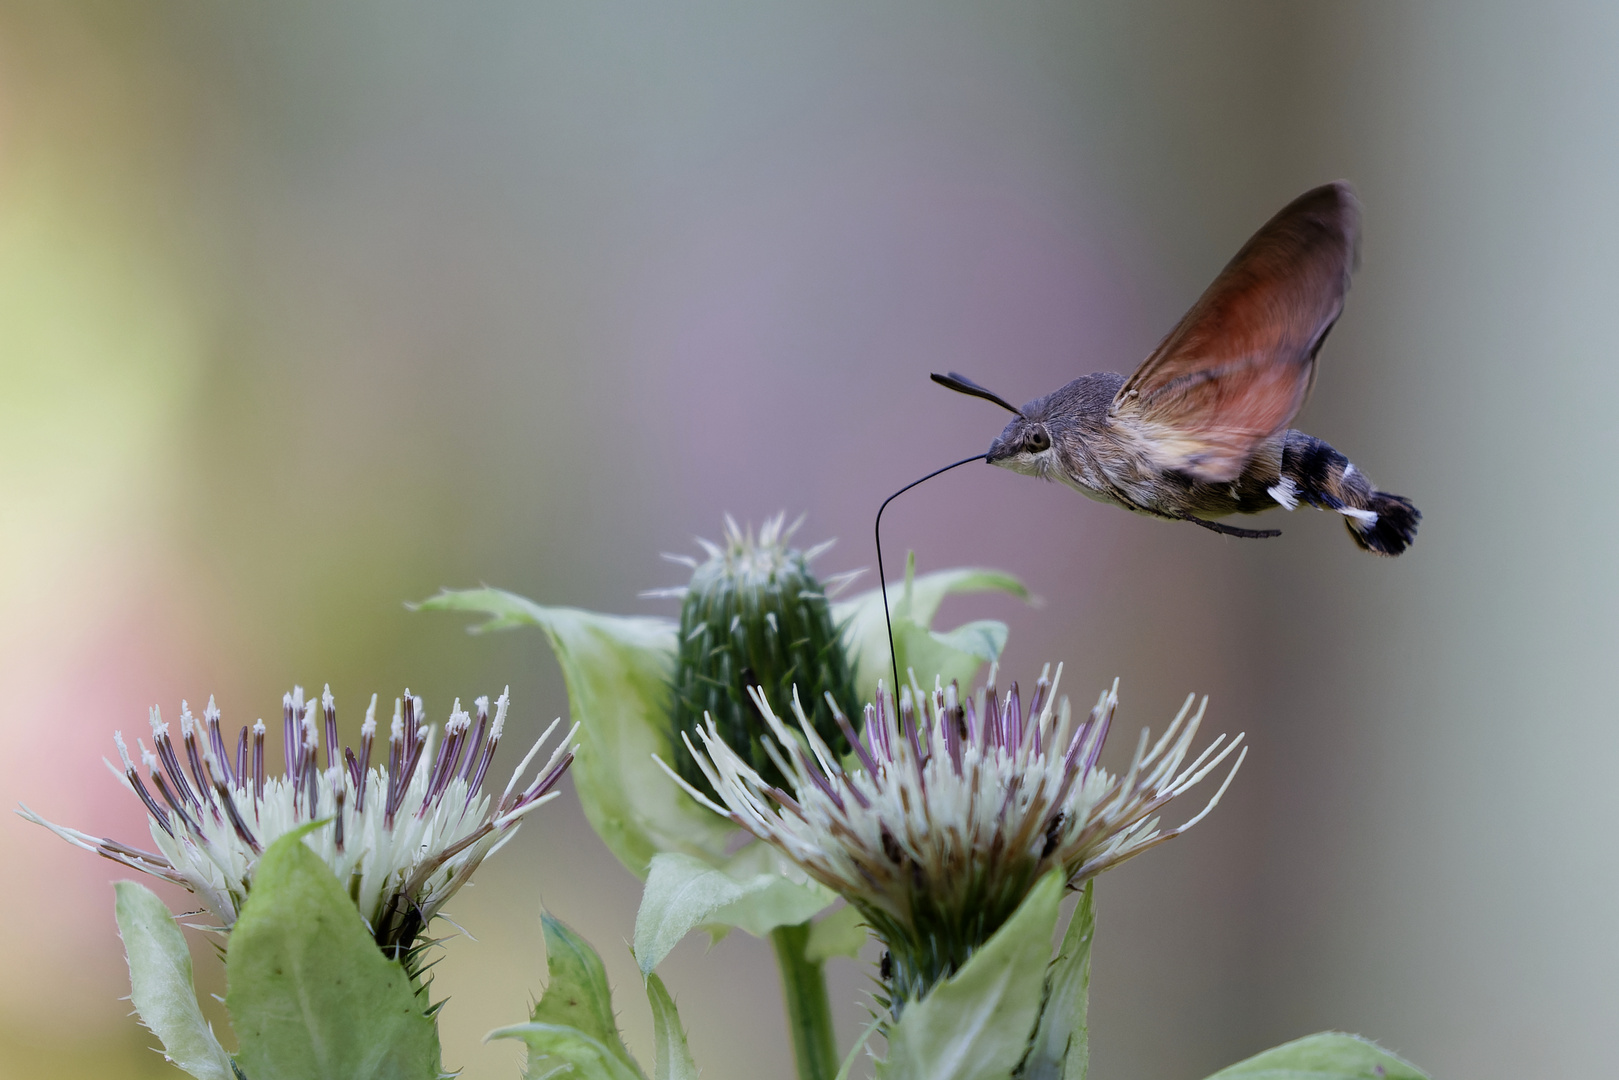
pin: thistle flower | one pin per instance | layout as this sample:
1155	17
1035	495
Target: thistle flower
754	615
950	811
401	837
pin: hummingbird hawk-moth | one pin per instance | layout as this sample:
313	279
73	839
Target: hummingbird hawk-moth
1199	431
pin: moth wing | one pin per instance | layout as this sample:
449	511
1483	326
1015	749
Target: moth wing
1238	366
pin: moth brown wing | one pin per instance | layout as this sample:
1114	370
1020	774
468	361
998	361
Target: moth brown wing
1238	366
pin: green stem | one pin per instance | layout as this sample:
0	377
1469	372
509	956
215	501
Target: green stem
809	1009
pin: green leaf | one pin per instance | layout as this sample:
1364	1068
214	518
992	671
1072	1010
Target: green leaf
576	994
672	1060
841	933
1330	1055
556	1050
929	591
955	654
982	638
310	994
756	890
160	983
776	892
1060	1049
573	1030
617	670
976	1024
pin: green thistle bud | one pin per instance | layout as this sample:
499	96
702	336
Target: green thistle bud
754	615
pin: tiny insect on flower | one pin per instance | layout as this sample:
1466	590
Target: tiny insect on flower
951	808
402	837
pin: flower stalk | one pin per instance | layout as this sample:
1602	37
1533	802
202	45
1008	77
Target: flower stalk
809	1006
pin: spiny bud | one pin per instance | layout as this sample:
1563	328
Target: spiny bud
754	615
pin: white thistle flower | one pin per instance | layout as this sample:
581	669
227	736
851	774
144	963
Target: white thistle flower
937	831
402	837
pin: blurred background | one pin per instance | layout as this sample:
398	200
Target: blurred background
307	310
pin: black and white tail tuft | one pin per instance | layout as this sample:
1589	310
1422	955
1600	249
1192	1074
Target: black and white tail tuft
1315	473
1391	530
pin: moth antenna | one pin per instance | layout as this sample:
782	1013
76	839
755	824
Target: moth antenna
877	529
963	385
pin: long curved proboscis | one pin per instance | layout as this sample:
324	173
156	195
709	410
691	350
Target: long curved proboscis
877	530
963	385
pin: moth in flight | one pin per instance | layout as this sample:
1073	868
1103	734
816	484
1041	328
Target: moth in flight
1199	431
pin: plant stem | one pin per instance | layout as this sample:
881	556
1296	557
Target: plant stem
809	1009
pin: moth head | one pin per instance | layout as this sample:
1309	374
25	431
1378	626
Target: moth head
1024	447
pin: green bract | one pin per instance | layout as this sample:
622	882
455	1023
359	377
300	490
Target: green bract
1011	1011
755	615
977	1024
756	890
310	995
160	985
1060	1049
573	1031
671	1059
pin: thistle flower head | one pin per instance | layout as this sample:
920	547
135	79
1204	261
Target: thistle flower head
401	836
754	615
951	808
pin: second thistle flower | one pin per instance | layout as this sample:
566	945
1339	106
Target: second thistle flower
953	808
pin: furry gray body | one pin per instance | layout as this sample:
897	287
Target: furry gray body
1075	435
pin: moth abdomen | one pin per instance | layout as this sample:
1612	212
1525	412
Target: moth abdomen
1315	473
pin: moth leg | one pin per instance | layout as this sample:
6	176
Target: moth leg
1232	530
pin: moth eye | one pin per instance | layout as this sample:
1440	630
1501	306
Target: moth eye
1037	441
